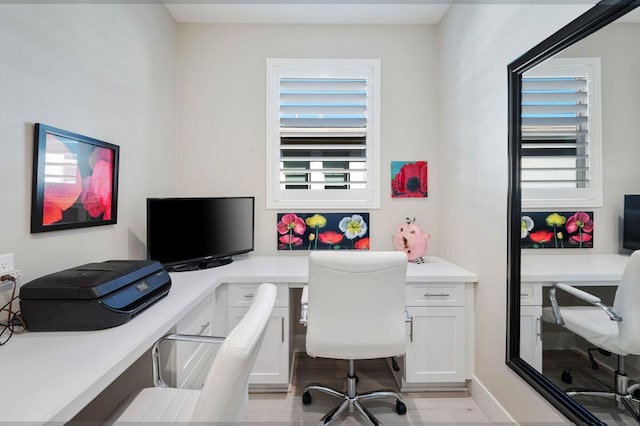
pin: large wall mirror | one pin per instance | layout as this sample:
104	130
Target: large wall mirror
592	68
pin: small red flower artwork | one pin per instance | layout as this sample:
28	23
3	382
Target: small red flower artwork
409	179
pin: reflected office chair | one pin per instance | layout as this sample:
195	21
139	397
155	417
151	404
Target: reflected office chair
612	329
354	308
224	397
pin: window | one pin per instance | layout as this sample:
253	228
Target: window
322	133
561	136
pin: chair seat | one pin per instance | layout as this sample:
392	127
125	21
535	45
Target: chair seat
166	405
592	324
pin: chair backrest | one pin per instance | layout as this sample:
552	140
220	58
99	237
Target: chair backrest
225	393
356	304
627	305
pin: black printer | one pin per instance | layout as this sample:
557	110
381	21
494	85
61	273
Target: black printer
92	296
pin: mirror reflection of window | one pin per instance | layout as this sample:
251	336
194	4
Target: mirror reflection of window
561	142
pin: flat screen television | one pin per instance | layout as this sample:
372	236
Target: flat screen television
631	222
196	233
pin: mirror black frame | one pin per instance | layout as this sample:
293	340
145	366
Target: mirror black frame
592	20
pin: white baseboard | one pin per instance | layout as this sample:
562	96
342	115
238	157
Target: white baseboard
488	403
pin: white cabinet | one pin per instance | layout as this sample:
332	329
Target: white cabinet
530	324
192	360
271	370
435	345
437	336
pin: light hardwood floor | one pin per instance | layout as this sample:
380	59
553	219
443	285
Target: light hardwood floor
422	408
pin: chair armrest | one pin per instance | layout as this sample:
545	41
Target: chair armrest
155	351
582	295
304	305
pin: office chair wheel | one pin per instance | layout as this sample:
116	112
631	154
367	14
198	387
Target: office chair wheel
306	398
401	408
566	376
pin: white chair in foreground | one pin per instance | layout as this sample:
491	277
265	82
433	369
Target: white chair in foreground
355	309
614	329
224	397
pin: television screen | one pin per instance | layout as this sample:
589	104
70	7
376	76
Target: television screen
197	233
631	220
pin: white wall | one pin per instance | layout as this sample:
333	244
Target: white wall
477	42
616	46
222	101
101	70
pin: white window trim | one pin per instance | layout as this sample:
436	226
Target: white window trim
333	199
574	197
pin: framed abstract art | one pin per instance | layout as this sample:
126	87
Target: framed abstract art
75	180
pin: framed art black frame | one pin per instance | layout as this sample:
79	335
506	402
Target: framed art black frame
75	180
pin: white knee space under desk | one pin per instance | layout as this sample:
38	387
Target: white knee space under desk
52	376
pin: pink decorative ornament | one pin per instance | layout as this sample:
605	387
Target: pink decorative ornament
412	240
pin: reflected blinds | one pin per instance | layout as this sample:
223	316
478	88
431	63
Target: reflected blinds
555	132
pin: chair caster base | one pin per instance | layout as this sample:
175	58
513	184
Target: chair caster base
401	408
306	398
566	376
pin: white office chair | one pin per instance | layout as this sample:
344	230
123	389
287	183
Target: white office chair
225	395
615	330
354	308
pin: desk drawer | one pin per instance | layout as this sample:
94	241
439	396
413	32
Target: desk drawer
435	294
530	294
241	294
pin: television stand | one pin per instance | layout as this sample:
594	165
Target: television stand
202	264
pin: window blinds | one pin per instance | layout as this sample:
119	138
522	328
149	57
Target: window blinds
323	128
555	132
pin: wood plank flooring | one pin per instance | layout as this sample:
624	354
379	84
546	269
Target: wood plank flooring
422	407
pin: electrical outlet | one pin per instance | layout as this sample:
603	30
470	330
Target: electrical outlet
6	263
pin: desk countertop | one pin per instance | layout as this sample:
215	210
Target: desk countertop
51	376
579	268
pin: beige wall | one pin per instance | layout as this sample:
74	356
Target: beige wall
101	70
222	101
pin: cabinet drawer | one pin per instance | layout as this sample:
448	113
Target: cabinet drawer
241	295
530	294
436	294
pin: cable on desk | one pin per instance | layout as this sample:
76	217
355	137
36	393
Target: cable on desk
14	323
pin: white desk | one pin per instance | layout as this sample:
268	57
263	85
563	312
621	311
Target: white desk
51	376
538	271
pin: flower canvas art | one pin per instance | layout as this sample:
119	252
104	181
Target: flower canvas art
409	179
556	230
323	231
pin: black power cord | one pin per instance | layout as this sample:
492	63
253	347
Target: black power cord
14	323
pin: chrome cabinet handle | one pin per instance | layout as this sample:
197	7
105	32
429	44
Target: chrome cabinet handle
437	295
408	318
248	296
282	328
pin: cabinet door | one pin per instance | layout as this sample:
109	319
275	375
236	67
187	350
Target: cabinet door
435	345
193	360
272	363
530	335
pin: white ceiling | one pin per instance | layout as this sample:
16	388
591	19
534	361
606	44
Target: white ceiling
310	12
323	11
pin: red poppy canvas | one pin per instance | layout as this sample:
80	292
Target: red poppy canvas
409	179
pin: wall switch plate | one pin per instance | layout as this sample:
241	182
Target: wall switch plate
7	263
